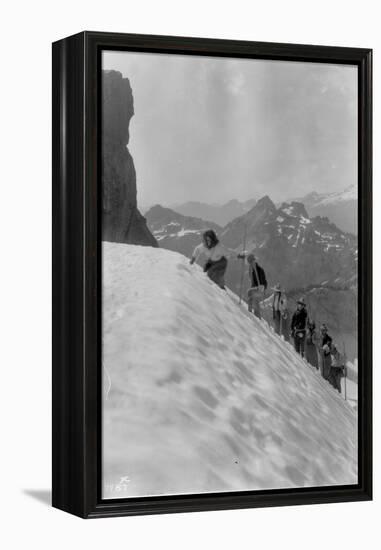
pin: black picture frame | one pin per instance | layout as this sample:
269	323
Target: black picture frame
77	283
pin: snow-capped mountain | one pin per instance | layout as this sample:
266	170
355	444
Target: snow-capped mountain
307	256
219	401
340	207
310	257
174	231
220	214
296	250
348	194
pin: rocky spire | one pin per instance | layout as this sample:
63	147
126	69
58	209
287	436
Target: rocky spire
121	220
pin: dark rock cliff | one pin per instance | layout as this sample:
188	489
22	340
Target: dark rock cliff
121	220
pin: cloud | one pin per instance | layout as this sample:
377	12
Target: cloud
213	129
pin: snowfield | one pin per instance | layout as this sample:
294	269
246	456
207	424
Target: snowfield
348	194
199	396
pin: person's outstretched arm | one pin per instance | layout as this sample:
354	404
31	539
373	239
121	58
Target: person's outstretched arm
293	322
196	253
230	252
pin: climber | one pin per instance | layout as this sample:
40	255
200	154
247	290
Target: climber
298	326
258	285
280	312
324	344
311	345
216	255
285	324
337	369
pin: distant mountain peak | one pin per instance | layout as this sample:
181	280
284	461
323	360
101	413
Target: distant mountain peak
339	206
232	202
294	209
220	214
176	231
313	195
161	208
347	194
265	202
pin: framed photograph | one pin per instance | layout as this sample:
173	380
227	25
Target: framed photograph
212	226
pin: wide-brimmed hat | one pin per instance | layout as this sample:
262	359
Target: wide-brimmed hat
301	301
277	288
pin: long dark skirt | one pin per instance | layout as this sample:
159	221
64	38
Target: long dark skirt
299	342
216	271
335	377
325	364
312	354
277	318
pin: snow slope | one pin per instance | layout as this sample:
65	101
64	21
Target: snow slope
199	396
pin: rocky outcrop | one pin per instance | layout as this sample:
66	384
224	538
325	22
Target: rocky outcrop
121	220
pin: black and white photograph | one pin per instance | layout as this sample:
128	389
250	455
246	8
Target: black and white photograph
229	274
190	240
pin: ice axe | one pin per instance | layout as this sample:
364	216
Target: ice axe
345	372
243	263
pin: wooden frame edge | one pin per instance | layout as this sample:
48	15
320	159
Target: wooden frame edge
76	398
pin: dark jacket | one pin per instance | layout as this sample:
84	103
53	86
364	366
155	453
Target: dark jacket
299	320
323	340
257	269
279	302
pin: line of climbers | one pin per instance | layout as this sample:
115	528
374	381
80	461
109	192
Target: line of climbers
318	350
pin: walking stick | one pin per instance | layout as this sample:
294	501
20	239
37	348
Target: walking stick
345	373
243	264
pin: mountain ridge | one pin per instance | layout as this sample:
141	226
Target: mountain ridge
339	206
177	232
307	256
220	214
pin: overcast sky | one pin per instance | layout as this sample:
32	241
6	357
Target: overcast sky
213	129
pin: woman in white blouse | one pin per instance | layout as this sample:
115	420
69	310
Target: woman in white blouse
216	257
